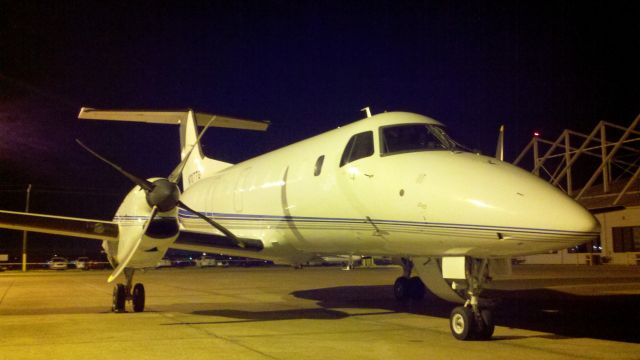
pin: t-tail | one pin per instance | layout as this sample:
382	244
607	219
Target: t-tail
198	166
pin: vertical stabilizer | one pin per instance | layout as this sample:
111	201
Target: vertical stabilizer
194	168
198	166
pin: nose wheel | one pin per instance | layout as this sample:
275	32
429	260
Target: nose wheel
123	293
466	324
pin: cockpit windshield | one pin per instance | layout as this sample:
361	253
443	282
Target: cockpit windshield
403	138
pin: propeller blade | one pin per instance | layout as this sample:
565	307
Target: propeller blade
175	174
222	229
123	264
136	180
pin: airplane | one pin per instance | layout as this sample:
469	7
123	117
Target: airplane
393	184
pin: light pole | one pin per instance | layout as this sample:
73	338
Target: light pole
24	234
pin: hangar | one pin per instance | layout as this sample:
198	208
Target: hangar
601	170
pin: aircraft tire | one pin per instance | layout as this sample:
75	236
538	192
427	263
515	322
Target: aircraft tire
462	323
486	328
119	298
138	298
401	288
416	288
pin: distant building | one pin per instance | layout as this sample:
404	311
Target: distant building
607	171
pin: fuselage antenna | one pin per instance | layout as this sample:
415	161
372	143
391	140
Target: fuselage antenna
367	110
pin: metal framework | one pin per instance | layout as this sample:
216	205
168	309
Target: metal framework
616	158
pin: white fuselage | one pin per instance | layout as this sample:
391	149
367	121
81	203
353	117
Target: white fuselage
421	203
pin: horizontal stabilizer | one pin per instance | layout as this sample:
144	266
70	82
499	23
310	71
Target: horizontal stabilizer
171	117
58	225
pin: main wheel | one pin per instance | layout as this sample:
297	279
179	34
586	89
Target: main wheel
416	288
119	298
401	288
461	322
138	298
485	329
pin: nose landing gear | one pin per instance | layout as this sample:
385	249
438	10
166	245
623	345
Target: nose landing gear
473	321
123	293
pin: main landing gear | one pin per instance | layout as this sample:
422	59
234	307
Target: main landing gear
123	293
407	286
473	320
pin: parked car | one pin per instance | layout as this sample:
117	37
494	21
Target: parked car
58	263
247	262
96	265
222	263
182	262
205	261
82	262
164	262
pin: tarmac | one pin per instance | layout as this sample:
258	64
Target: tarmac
313	313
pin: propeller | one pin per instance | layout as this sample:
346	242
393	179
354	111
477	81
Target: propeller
162	195
123	264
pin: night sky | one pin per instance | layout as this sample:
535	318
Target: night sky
308	67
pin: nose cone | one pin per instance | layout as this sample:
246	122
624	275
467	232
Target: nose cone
546	207
501	195
579	219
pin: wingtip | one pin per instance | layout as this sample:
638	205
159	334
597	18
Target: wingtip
83	110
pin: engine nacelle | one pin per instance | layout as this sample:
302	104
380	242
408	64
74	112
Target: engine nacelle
132	217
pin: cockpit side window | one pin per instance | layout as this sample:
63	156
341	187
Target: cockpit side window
359	146
413	137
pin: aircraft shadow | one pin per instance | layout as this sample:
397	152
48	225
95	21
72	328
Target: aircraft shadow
272	315
562	315
610	317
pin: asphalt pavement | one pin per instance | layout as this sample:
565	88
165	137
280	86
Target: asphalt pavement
313	313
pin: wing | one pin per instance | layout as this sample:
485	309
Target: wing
193	241
59	225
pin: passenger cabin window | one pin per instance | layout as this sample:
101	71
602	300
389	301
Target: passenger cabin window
414	137
317	169
359	146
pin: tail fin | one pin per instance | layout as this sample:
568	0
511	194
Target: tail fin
198	166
